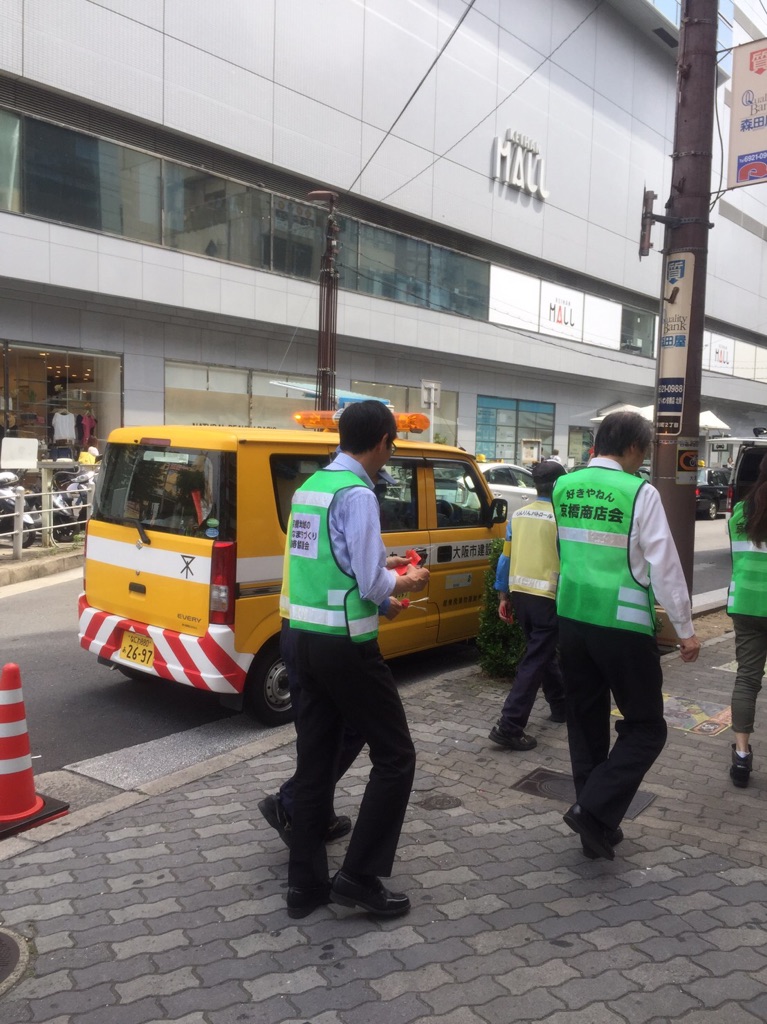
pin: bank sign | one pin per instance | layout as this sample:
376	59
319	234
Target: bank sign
747	163
517	162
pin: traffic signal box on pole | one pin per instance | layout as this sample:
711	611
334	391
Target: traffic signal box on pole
20	806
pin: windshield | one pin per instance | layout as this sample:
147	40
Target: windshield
174	490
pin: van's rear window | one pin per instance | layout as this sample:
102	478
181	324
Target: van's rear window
186	491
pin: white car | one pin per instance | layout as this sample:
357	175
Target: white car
514	483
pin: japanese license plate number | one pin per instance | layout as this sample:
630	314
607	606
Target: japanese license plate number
137	649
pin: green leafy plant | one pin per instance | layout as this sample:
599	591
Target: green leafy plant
500	645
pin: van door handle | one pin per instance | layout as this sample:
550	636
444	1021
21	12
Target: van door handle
445	553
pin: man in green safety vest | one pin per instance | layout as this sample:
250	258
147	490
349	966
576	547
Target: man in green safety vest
338	582
616	553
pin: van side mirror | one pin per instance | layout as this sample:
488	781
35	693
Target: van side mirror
499	511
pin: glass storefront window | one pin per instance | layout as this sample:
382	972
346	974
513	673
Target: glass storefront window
408	399
459	284
637	332
228	397
66	400
80	180
504	423
10	160
215	217
393	266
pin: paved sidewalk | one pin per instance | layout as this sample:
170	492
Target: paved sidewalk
167	904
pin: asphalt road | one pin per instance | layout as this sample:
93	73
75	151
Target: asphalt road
78	710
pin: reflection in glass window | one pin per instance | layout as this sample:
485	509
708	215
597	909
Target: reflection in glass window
458	495
459	284
637	332
393	266
289	472
399	510
10	156
77	179
215	217
348	261
408	399
299	238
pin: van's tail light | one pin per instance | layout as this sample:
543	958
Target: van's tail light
697	492
223	576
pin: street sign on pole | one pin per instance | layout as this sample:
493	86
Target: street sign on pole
747	164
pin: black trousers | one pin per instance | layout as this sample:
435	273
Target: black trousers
351	742
539	667
348	684
598	662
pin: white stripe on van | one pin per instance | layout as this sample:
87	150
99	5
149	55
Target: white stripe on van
259	570
147	558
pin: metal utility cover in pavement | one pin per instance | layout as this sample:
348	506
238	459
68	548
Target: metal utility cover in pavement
557	786
14	958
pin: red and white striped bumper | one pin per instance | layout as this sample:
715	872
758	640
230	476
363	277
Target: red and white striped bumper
208	662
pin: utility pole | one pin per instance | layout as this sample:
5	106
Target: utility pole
325	397
683	290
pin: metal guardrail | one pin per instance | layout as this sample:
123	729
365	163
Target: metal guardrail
47	530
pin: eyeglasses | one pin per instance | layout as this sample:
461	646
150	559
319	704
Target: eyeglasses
392	447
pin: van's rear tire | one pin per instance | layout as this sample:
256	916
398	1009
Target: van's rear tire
267	695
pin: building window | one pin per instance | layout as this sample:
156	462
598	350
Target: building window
68	401
408	399
638	332
10	162
215	217
392	266
80	180
299	238
228	397
459	284
505	428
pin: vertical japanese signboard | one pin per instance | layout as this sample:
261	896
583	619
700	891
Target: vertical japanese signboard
674	342
747	163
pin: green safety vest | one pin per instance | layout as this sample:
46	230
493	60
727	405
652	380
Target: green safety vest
748	587
594	509
322	597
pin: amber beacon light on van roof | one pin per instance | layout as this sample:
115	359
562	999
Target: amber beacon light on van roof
407	422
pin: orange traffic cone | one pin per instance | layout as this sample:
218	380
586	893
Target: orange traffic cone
20	806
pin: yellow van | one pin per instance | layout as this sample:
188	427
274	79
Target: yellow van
184	553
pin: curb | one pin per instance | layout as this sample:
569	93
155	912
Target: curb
37	568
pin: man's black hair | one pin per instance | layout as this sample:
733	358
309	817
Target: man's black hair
363	424
620	430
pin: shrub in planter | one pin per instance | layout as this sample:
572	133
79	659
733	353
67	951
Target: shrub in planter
500	645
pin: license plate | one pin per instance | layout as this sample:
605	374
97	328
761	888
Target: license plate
137	649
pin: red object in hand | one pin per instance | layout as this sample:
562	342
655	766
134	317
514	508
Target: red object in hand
413	557
405	602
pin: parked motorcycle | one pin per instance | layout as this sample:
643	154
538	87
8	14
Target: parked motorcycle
31	519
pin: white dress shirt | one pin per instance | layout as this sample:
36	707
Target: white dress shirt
653	556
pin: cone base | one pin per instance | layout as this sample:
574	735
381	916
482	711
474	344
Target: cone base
50	809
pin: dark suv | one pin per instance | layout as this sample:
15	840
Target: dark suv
746	469
711	492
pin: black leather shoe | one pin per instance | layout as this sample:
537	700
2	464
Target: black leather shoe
374	897
272	809
594	835
614	837
339	827
302	900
